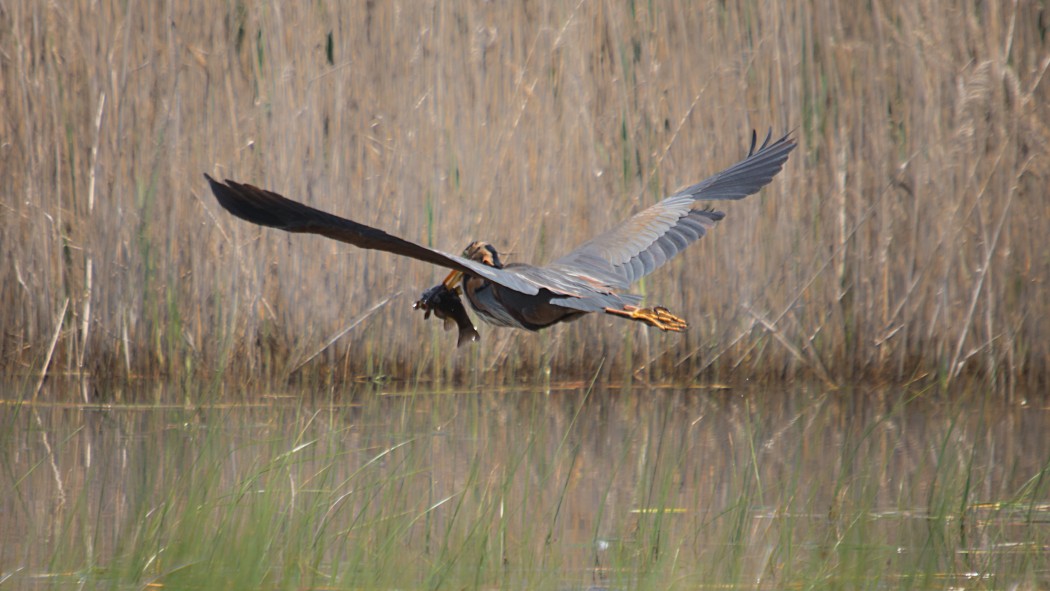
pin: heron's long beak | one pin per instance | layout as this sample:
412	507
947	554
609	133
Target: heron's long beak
452	279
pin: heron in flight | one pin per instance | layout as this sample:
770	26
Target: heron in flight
590	278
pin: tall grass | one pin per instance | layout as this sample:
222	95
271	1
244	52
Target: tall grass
678	490
905	239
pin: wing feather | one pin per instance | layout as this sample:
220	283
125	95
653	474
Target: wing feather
267	208
650	238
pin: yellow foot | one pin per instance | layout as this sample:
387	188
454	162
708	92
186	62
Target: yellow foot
657	316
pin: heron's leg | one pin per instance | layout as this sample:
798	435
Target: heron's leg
657	316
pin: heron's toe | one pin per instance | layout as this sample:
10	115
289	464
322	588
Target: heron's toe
657	316
663	319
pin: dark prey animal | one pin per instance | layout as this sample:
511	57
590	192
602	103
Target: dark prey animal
444	302
590	278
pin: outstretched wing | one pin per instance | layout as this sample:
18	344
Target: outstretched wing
650	238
267	208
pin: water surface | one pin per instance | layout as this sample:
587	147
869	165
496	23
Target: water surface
570	489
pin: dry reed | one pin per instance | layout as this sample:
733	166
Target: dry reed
906	239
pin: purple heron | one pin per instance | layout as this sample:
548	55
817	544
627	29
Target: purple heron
588	279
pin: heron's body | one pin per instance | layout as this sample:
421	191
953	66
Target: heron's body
588	279
500	306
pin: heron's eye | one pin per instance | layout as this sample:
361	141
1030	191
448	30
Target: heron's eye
471	250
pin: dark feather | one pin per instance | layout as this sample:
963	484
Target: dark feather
267	208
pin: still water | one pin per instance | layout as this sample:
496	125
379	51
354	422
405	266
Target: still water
569	489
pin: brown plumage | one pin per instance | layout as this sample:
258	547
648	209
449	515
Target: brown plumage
587	279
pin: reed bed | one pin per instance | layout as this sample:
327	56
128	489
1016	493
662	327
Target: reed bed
905	240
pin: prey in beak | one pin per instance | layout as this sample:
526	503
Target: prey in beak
443	300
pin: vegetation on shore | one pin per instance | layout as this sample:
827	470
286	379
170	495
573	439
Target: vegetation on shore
905	240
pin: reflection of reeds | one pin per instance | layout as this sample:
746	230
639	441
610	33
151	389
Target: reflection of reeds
906	237
321	488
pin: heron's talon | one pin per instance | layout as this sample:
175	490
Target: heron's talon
657	316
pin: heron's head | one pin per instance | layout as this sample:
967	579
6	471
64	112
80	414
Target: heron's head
484	253
481	252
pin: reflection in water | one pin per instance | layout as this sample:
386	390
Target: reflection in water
611	488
